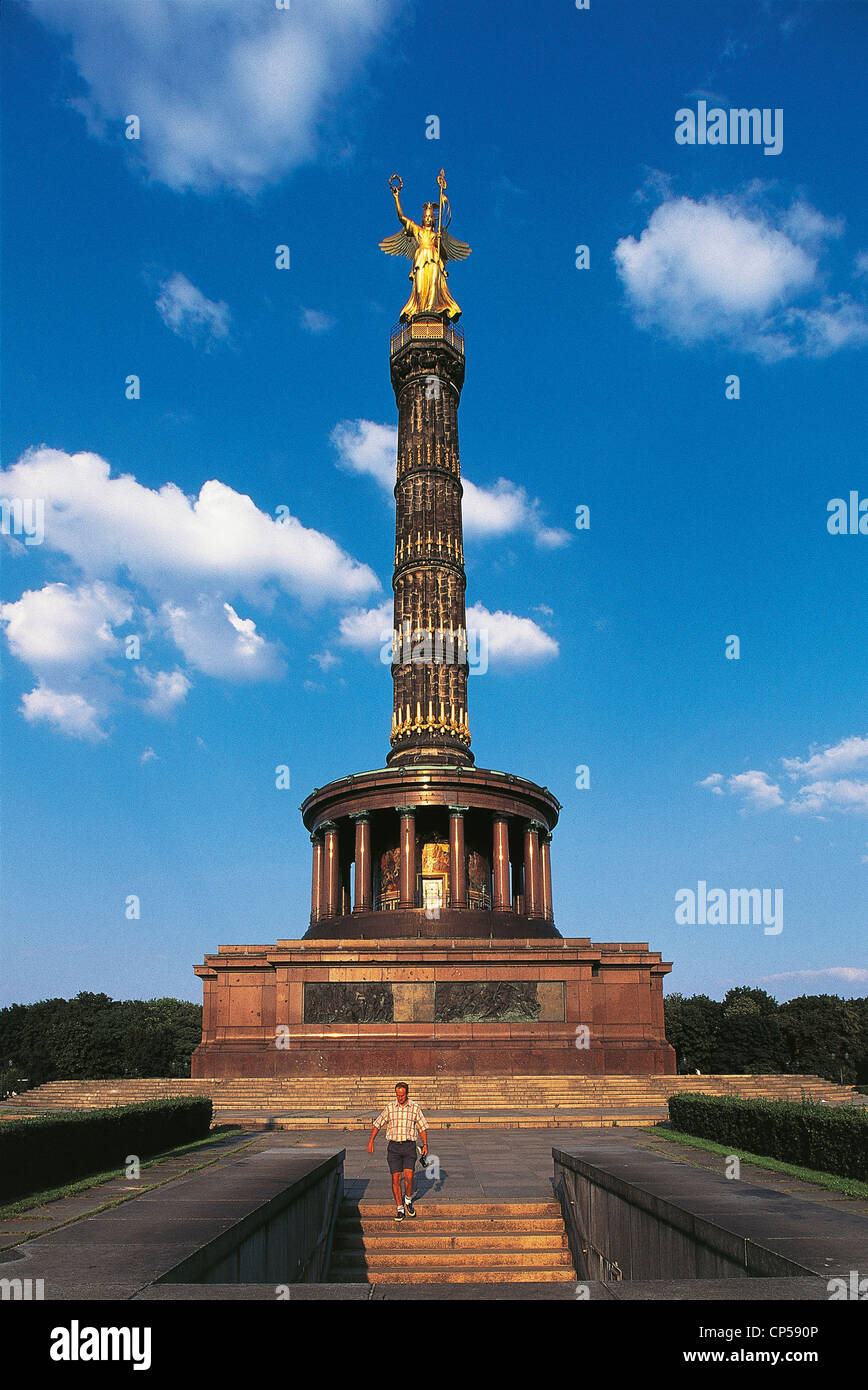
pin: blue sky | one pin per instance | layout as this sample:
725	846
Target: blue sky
237	518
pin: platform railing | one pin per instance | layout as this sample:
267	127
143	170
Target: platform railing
426	329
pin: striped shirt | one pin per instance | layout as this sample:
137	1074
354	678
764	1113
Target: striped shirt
402	1121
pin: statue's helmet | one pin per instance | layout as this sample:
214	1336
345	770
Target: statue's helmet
428	211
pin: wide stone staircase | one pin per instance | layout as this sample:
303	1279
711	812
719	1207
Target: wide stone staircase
450	1102
451	1243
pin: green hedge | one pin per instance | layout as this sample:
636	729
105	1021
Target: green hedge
51	1150
829	1138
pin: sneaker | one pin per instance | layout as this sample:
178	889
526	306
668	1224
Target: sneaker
408	1207
399	1213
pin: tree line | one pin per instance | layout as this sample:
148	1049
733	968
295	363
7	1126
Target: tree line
749	1031
95	1036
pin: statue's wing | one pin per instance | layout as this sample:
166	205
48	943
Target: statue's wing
451	249
399	244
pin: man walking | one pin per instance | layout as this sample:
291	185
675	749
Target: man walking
402	1118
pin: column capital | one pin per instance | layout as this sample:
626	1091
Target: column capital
360	816
326	825
315	837
406	810
536	825
458	810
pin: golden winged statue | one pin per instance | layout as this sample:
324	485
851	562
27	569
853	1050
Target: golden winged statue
429	247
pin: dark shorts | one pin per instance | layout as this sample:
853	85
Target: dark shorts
401	1156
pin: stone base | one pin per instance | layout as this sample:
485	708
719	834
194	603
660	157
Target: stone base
459	1006
387	1056
448	924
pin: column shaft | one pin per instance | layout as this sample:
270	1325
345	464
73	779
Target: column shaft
532	894
457	860
316	880
407	869
546	876
364	885
331	870
500	864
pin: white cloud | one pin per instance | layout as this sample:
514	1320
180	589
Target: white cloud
827	790
503	508
66	636
695	261
363	446
316	321
68	713
512	641
861	263
755	789
217	642
325	660
829	326
493	511
721	268
655	187
846	756
808	226
148	756
841	795
364	627
58	627
759	792
186	563
230	93
852	974
189	314
167	690
164	538
551	537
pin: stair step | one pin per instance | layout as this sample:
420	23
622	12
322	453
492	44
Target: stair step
553	1275
483	1103
438	1211
462	1226
431	1244
463	1259
452	1242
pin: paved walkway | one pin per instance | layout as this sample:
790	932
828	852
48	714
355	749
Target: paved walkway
52	1215
494	1166
516	1165
750	1173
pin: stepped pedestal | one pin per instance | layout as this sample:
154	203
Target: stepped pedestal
433	1006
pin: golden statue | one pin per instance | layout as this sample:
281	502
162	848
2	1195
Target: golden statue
429	247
